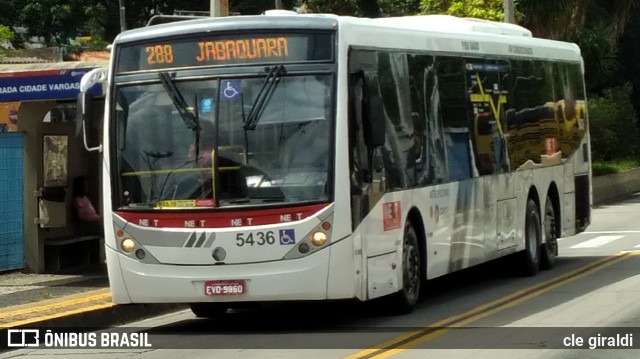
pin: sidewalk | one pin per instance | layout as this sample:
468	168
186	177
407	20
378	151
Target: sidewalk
54	300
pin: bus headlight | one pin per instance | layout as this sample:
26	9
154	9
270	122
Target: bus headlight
128	245
315	240
319	239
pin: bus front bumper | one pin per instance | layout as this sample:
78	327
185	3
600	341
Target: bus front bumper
298	279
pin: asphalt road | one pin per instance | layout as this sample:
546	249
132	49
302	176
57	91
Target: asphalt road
591	299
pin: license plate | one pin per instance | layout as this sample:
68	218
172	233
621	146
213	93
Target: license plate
224	287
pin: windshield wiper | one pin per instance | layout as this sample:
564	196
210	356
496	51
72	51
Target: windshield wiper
189	116
268	86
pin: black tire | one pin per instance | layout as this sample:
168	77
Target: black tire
532	239
405	300
549	250
208	310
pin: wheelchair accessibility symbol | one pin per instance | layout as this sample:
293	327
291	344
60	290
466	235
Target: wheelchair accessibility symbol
287	236
230	89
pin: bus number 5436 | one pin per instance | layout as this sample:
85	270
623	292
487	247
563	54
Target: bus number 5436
255	238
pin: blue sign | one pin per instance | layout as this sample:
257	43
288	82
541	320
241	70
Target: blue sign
287	236
206	105
230	89
44	85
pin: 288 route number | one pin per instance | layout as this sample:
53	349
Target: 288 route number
255	238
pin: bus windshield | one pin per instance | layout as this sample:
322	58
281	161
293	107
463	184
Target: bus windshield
220	142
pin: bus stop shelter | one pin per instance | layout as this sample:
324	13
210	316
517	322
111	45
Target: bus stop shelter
41	152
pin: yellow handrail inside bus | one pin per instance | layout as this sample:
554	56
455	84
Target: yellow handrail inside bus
158	172
177	170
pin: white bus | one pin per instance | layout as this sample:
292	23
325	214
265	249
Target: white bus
316	157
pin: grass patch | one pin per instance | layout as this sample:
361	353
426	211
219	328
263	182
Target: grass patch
606	168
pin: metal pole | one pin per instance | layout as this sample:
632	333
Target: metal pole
214	6
123	22
219	8
508	12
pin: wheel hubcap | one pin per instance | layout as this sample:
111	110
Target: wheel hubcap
411	272
532	236
551	232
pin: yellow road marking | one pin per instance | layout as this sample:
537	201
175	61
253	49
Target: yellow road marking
55	304
56	315
426	333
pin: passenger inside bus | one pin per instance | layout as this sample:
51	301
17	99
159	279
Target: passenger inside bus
206	145
233	184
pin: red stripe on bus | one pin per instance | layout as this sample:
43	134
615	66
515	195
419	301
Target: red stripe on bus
220	219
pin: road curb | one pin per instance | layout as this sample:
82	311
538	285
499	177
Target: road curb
109	316
92	308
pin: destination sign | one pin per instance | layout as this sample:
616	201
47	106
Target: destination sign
226	50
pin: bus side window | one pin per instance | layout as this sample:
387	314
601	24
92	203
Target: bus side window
359	159
453	108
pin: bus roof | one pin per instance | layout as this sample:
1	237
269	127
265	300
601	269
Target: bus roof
236	23
406	31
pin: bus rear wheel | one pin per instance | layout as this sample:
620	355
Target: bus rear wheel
550	247
405	300
208	310
532	238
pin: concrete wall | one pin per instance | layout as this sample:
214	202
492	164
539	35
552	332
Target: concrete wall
615	186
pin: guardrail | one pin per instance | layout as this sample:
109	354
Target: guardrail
616	186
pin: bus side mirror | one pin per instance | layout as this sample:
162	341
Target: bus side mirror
85	104
85	108
374	122
85	119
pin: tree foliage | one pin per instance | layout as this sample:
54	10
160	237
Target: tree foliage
54	20
340	7
6	34
558	19
366	8
614	132
483	9
57	21
398	8
599	50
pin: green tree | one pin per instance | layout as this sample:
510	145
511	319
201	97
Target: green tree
614	133
6	34
53	20
339	7
365	8
557	19
483	9
8	16
399	7
595	25
106	15
599	49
